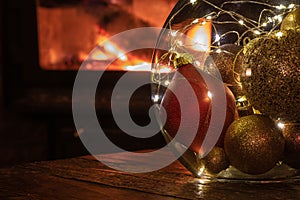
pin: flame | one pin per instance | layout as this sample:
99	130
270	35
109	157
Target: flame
107	50
113	50
200	35
109	53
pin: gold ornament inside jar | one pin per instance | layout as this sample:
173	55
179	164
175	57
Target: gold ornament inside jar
243	70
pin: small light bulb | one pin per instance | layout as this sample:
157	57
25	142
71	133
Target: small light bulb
248	72
173	33
256	32
279	34
270	19
193	1
280	7
209	17
195	21
155	98
291	6
241	22
219	51
209	94
197	63
264	24
218	37
278	17
280	125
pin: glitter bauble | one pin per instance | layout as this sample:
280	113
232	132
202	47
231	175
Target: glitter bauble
228	61
202	105
254	144
213	36
291	21
215	161
271	77
291	133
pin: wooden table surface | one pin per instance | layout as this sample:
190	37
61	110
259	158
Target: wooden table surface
88	179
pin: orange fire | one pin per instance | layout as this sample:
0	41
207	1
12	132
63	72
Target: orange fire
199	40
110	56
200	35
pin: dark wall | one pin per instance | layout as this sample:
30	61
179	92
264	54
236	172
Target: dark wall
22	138
1	55
35	105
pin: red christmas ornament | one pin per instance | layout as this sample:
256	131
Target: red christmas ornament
202	105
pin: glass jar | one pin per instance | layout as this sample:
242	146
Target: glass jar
226	87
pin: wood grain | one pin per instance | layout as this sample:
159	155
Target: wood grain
86	178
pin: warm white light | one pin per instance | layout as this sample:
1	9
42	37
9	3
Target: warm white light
218	37
179	43
219	51
248	72
193	1
199	173
256	32
280	18
195	21
270	19
264	24
242	99
279	34
208	17
280	125
241	22
209	94
173	33
291	6
197	63
156	98
280	7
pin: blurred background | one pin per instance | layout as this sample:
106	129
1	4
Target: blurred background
42	45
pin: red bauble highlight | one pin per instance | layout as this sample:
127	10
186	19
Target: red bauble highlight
202	105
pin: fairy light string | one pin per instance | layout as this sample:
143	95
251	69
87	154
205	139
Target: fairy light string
269	19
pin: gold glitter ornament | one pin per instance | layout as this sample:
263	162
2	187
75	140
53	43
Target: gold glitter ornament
291	133
216	160
228	60
291	21
271	78
254	144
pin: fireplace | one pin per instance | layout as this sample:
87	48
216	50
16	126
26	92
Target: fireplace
44	44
